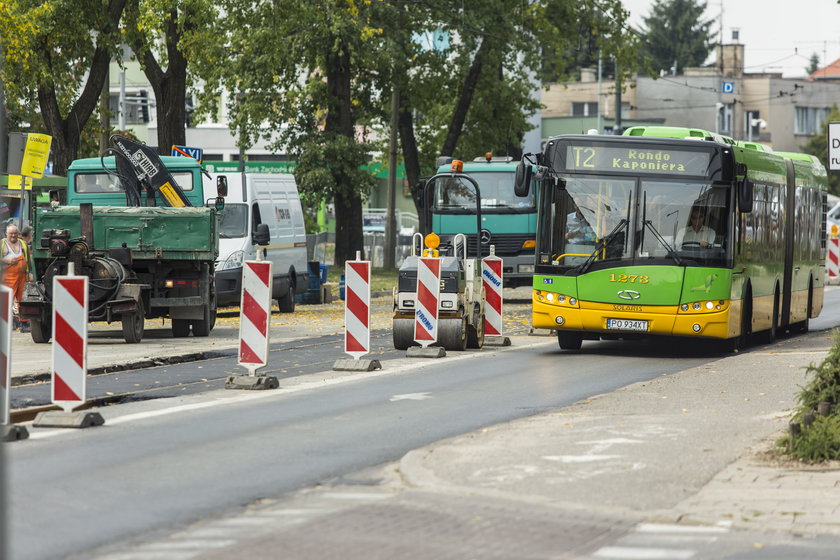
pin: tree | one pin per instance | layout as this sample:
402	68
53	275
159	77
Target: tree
475	95
675	34
813	64
817	146
57	58
158	31
298	77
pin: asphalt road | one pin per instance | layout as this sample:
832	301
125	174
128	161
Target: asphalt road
149	469
161	464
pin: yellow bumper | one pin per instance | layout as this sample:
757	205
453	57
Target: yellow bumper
662	320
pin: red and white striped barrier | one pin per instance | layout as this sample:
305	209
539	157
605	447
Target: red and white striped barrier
69	341
6	328
357	308
492	278
255	315
832	255
428	301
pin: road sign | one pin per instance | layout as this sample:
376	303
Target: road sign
428	301
727	86
834	146
255	315
69	345
357	308
492	278
188	151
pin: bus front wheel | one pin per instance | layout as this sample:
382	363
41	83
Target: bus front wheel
569	340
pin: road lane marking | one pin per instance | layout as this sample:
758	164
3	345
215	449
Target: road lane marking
411	397
274	393
634	553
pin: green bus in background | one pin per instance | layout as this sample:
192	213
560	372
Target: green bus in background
508	222
687	234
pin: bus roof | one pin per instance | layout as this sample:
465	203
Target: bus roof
679	132
90	164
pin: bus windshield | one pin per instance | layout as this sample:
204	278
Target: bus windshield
457	195
604	219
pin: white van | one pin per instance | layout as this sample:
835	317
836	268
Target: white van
265	198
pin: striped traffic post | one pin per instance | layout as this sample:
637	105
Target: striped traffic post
428	301
492	277
8	431
254	319
69	354
356	317
832	255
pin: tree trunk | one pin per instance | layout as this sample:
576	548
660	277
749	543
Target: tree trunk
462	106
411	158
66	131
348	201
170	87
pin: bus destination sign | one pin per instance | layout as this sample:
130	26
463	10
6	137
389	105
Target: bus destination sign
636	159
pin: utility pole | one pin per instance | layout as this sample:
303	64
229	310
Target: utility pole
105	112
390	217
598	120
390	249
4	132
617	128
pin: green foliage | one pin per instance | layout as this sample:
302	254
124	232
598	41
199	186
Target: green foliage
825	382
817	145
818	442
819	439
813	64
675	32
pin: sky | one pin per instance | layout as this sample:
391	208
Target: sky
778	35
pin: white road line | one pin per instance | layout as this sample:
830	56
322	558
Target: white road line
259	395
670	528
633	553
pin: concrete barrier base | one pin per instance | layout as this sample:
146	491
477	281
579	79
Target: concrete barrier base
428	352
13	432
496	340
252	382
61	419
351	364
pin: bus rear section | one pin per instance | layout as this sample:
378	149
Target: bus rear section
661	236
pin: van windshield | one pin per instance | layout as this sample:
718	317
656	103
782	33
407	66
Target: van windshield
233	221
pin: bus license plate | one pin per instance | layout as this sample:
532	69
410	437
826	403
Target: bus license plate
627	325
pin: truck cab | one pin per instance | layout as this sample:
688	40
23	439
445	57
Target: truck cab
88	182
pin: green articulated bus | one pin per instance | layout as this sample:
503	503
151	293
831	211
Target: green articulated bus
676	232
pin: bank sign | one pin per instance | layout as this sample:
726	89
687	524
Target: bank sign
834	146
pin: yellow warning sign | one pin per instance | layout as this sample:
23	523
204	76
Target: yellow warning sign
19	182
171	195
35	154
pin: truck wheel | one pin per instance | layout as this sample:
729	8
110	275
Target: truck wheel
133	324
202	327
180	328
40	331
286	302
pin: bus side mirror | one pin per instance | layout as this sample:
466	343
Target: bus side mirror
261	236
221	186
522	181
745	196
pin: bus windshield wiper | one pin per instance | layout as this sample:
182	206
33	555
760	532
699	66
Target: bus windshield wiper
671	251
602	244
